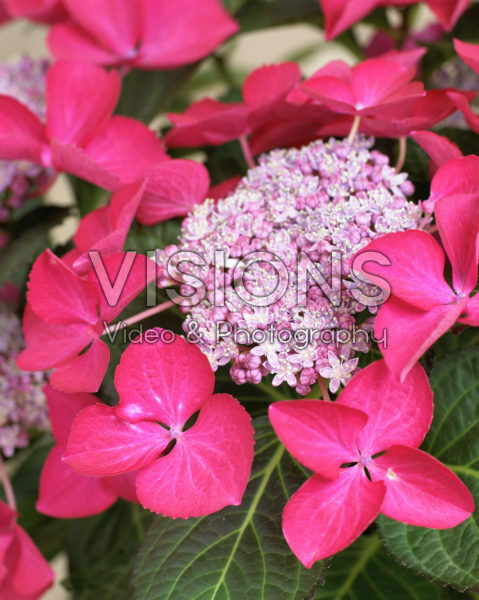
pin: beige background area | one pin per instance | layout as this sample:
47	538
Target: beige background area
248	51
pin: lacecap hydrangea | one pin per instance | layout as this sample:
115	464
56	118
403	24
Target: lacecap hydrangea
323	200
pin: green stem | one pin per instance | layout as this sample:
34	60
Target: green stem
136	511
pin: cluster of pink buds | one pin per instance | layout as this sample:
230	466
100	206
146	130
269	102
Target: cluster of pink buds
23	80
327	197
23	405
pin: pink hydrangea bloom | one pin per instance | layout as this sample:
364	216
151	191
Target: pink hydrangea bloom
363	452
23	406
324	197
81	136
148	34
66	315
24	573
64	493
422	305
182	472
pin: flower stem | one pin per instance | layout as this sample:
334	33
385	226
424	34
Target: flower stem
354	129
324	389
140	316
247	152
402	154
7	486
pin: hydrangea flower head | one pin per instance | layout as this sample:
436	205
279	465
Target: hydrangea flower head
23	405
324	197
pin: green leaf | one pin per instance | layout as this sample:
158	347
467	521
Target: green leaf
449	556
266	13
17	256
364	570
145	94
236	553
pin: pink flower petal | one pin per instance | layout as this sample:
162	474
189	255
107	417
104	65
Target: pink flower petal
181	32
81	98
165	382
416	272
75	161
126	148
173	189
221	190
321	435
397	412
58	295
49	344
119	280
83	373
31	575
469	53
457	219
207	122
43	11
207	469
462	104
326	515
449	11
458	176
22	135
420	490
101	444
67	41
411	331
63	408
341	14
439	148
65	494
472	312
114	22
124	486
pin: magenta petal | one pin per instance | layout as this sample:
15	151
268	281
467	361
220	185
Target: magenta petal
469	53
375	80
457	219
101	444
341	14
65	494
119	278
321	435
207	469
83	373
114	22
58	295
67	41
125	148
31	575
95	226
207	122
458	176
410	331
397	412
173	189
463	105
165	382
22	135
270	83
63	408
416	272
43	11
420	490
81	98
472	312
437	147
326	515
181	32
448	12
123	486
75	161
49	344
